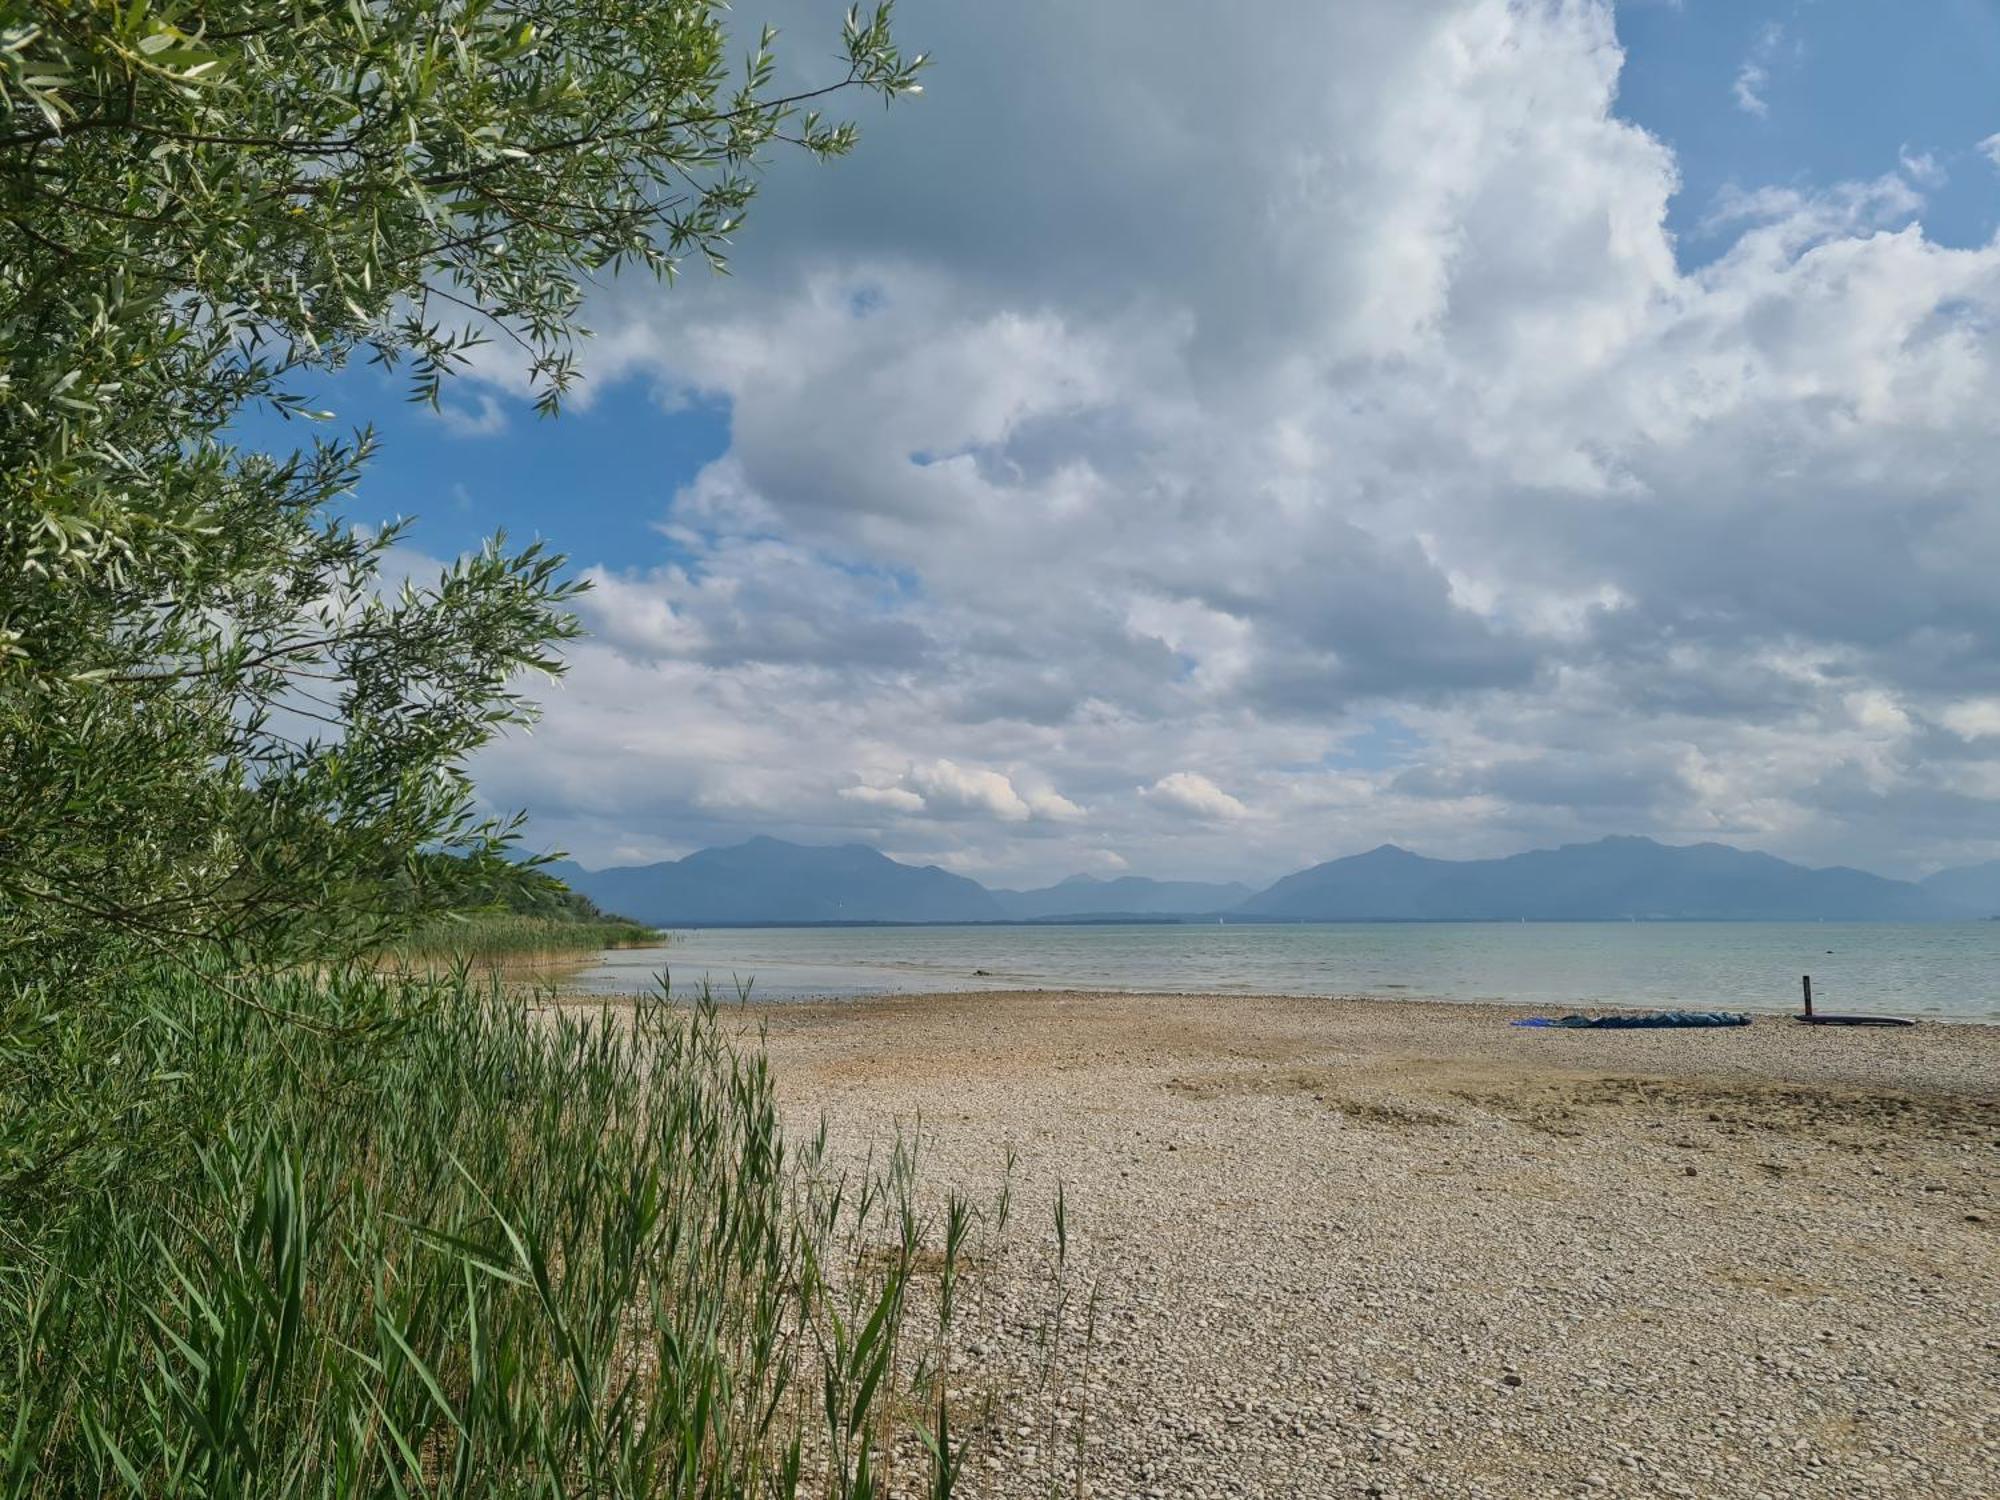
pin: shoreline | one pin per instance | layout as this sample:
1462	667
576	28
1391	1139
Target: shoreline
1945	976
1466	1030
1362	1247
863	1000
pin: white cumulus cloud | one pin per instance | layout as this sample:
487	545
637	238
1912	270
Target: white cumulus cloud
1195	795
945	789
1973	719
891	798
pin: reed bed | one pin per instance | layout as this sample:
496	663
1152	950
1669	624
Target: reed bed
508	935
372	1236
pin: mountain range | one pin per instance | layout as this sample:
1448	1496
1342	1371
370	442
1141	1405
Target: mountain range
1975	887
769	881
1613	879
1127	896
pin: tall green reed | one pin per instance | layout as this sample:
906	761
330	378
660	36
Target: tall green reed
446	1242
501	934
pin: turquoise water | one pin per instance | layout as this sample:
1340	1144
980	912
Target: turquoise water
1942	970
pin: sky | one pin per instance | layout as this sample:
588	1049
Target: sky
1199	441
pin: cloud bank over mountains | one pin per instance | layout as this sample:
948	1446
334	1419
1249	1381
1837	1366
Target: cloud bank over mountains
1213	447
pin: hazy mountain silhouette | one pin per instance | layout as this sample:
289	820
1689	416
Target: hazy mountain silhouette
1128	895
768	880
1974	887
1612	879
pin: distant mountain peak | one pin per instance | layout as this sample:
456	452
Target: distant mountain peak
1621	877
1974	889
769	880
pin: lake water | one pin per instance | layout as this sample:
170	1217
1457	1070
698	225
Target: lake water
1941	970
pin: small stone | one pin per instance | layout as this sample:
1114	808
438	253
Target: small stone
1510	1378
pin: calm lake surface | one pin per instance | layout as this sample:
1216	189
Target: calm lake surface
1941	970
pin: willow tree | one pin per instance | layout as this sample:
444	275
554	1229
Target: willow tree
217	726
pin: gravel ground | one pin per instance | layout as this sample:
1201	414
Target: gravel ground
1369	1248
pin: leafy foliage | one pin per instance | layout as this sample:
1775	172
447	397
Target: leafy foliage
270	1225
217	724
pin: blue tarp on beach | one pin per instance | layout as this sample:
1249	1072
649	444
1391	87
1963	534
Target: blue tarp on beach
1648	1021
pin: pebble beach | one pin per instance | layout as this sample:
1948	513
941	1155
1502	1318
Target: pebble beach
1372	1248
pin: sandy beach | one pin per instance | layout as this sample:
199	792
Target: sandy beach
1368	1248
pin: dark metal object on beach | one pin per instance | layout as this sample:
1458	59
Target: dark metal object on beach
1824	1019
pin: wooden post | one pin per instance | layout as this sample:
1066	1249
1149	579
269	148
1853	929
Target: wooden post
1806	980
